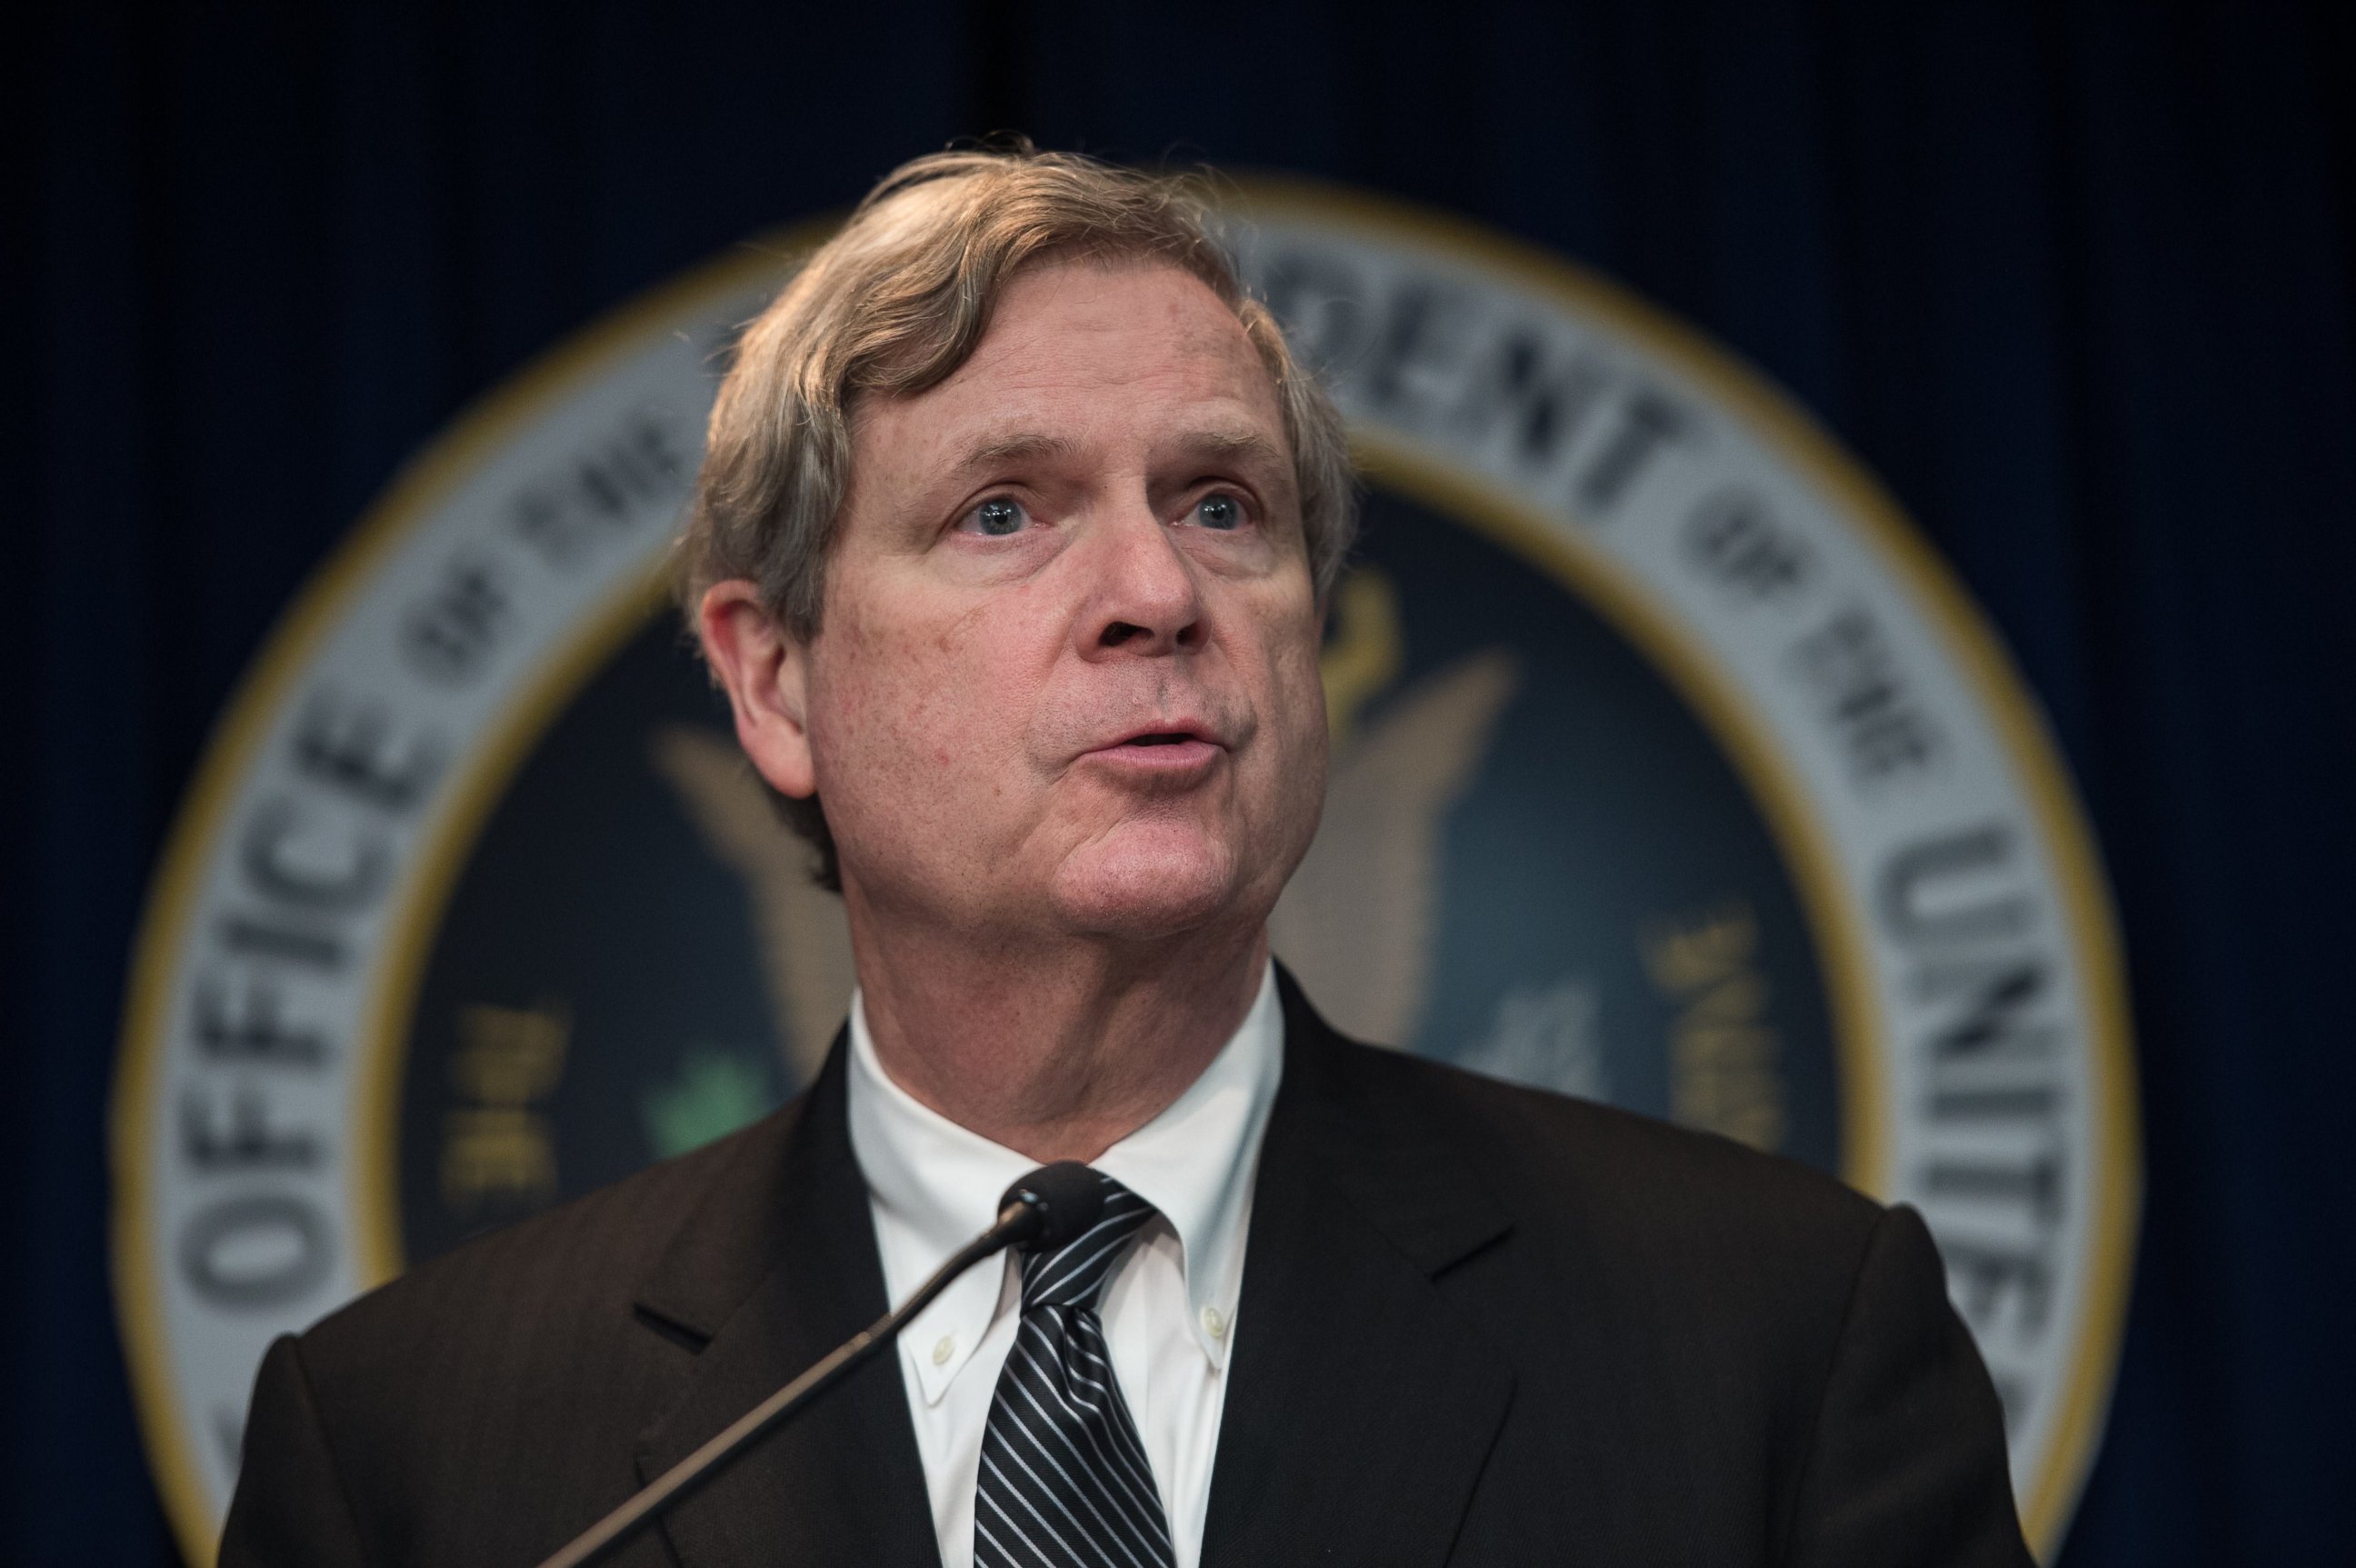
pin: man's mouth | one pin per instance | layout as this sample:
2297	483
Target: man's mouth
1170	755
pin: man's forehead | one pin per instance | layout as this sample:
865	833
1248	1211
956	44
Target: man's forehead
1079	355
1083	323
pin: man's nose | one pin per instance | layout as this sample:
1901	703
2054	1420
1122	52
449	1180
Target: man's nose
1147	597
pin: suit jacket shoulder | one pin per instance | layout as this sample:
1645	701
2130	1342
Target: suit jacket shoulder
516	1293
1542	1153
1715	1355
489	1403
1648	1223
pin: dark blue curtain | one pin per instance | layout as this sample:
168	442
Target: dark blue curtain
2073	279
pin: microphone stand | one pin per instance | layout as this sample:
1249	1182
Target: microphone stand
1034	1209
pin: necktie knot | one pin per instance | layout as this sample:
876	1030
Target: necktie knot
1075	1273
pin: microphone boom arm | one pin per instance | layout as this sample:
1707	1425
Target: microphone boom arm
1021	1217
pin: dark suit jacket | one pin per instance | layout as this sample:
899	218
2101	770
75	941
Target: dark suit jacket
1479	1325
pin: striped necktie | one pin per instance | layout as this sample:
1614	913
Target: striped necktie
1065	1481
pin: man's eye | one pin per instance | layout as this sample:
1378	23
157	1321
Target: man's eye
1220	510
997	518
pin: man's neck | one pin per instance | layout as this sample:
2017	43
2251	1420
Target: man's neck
1056	1054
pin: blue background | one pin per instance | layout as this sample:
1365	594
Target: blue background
2073	278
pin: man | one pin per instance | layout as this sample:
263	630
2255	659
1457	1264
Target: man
1010	551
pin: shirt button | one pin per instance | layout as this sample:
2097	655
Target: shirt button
1214	1324
943	1349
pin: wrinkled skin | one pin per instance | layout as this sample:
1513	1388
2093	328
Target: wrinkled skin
1064	708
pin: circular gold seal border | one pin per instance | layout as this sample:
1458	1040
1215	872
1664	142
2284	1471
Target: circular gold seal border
1590	574
1972	643
1615	592
423	484
493	420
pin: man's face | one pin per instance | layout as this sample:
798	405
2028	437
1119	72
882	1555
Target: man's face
1067	677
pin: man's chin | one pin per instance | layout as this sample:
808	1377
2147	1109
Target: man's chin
1142	890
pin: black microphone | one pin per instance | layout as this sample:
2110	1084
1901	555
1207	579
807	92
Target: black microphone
1052	1206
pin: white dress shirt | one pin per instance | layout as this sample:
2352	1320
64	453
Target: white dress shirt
1169	1309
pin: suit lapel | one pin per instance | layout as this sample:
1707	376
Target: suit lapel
1362	1406
777	1269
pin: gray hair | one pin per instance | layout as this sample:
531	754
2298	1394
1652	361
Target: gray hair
893	305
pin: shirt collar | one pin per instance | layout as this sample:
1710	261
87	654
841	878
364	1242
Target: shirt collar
934	1184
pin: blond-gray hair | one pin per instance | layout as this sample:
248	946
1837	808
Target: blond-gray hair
894	304
897	301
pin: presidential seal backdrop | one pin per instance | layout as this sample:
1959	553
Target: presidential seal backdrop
1670	768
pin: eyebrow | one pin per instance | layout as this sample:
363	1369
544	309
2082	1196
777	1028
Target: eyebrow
1245	444
1014	449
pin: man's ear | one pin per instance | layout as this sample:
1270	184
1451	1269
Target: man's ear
766	673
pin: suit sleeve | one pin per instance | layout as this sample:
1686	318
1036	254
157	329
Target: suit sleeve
1907	1465
290	1509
